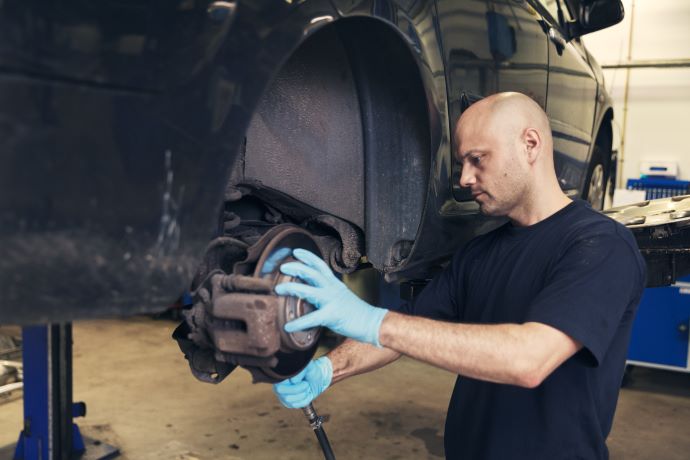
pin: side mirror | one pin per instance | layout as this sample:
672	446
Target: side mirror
593	15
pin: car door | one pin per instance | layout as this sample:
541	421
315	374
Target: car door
489	47
571	100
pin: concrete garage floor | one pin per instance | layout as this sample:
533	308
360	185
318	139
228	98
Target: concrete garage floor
142	397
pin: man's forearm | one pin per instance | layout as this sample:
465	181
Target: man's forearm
518	354
352	358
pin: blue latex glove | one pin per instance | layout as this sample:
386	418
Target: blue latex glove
303	388
338	308
274	259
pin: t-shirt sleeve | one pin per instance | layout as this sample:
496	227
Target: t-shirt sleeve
597	280
440	298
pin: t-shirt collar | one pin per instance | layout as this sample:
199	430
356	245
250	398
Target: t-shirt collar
514	230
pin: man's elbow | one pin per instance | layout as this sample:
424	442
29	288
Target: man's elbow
529	380
532	364
529	376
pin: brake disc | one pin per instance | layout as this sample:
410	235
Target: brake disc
297	348
238	320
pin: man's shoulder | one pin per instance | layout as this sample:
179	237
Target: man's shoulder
583	213
585	222
594	229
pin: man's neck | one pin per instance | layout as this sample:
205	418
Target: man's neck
542	206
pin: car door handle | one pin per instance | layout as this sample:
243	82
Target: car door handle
557	38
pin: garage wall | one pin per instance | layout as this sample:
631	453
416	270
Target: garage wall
658	125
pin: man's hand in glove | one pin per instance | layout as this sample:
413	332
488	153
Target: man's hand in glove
300	390
338	308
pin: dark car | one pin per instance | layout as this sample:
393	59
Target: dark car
139	137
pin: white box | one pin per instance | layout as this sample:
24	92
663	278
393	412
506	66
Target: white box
659	168
622	196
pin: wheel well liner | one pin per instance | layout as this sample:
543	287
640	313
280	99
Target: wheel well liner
344	129
396	139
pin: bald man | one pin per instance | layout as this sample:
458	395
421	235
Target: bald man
534	317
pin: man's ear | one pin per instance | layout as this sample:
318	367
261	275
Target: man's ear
532	142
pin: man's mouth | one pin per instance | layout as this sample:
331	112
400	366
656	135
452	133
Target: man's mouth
476	194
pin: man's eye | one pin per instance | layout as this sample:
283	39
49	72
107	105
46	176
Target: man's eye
476	160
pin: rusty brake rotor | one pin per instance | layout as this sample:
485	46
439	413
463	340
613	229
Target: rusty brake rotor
238	320
297	348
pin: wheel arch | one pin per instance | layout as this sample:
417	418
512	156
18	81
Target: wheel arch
604	137
364	134
602	145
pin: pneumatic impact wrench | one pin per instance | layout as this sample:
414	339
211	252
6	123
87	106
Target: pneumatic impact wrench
315	421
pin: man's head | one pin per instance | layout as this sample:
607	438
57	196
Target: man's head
506	150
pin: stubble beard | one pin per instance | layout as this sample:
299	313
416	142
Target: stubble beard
491	207
485	206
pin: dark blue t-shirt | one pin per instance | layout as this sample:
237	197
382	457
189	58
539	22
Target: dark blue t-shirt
577	271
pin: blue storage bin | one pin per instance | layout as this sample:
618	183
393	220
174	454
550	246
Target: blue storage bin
659	188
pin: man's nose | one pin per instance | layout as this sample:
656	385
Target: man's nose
467	178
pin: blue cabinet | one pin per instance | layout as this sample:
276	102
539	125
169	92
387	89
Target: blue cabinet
660	333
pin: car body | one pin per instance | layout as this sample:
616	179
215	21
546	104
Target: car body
125	126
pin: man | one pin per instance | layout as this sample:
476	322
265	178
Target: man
534	317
